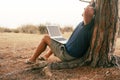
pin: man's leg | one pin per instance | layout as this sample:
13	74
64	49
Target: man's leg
42	46
48	54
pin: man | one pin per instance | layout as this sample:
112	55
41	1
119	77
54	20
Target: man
76	46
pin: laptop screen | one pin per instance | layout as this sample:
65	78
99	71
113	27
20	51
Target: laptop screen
54	31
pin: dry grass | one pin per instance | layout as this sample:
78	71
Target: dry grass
15	48
32	29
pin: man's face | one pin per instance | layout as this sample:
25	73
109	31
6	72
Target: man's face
88	12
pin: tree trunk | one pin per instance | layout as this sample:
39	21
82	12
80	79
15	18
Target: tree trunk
101	50
105	33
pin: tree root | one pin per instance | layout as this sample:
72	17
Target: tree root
81	62
57	66
32	67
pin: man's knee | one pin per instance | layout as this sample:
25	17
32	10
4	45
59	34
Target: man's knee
46	38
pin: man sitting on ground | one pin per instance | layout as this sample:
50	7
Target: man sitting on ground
77	44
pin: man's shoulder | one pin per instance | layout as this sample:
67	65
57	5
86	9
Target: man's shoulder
81	24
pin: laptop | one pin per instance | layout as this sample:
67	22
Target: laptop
55	34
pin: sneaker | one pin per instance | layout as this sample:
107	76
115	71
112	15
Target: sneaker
29	62
42	58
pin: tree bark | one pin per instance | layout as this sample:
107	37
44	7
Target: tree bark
101	50
104	35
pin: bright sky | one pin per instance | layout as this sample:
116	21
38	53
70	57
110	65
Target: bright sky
14	13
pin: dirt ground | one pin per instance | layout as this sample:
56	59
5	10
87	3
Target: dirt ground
15	48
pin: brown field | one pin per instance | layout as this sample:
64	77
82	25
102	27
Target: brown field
15	48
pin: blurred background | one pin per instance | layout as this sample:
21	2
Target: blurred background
16	13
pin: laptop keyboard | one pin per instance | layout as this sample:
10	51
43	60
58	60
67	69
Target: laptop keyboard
60	39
